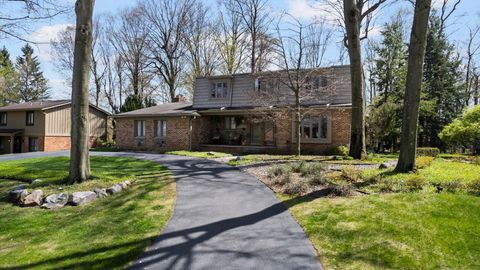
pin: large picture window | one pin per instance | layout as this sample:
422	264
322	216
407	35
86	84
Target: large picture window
139	128
219	90
315	129
160	128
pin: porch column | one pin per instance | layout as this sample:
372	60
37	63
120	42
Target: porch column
11	144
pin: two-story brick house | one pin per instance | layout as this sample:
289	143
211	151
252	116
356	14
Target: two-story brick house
228	115
43	126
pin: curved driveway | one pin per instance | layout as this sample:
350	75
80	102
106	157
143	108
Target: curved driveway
223	219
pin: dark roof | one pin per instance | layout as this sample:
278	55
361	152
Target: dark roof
167	109
42	105
10	131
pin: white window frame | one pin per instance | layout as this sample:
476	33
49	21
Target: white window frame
139	128
219	90
160	128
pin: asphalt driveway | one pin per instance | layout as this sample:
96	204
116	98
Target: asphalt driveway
223	219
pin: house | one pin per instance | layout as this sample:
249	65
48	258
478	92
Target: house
43	126
232	113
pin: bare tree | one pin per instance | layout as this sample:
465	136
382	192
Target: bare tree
416	55
300	81
473	48
79	157
169	20
256	20
23	14
231	38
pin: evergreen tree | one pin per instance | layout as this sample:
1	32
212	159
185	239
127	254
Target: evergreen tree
32	85
442	84
8	78
135	102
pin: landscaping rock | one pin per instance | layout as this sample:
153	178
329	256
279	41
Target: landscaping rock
211	153
34	199
17	196
124	184
36	181
114	189
55	201
384	166
20	187
238	158
101	192
82	197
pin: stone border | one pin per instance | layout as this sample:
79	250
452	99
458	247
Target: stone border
21	197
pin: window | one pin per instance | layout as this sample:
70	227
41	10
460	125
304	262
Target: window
3	118
219	90
30	118
32	144
140	128
230	122
315	128
160	128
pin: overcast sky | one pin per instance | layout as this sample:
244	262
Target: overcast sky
468	13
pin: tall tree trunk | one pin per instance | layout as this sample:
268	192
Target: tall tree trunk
416	54
298	122
352	24
79	158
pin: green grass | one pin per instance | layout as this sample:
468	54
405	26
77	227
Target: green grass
440	171
392	231
105	234
198	154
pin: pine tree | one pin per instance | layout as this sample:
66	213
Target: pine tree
442	84
8	78
32	85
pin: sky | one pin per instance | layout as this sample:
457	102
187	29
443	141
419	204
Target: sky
468	13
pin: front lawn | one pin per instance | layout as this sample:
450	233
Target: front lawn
105	234
199	154
392	231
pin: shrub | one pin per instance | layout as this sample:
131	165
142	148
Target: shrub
317	179
297	167
428	151
351	174
341	190
296	187
452	186
340	150
476	160
474	186
311	168
283	179
387	184
414	183
276	170
423	162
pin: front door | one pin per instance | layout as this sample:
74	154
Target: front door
17	144
257	134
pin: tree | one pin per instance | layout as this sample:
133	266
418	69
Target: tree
443	83
8	79
169	20
416	54
79	156
135	102
464	131
471	80
256	20
353	16
32	85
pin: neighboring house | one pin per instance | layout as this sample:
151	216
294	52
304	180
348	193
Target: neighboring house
43	126
228	115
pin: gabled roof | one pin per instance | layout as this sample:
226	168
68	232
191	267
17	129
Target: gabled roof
42	105
167	109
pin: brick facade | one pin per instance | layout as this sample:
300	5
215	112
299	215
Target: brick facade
178	138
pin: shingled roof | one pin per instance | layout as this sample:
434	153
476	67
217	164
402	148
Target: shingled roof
41	105
167	109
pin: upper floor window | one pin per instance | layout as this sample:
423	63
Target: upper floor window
139	128
266	84
3	118
315	128
160	128
30	118
219	90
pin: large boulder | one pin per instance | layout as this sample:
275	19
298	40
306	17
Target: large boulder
55	201
33	199
101	192
17	195
114	189
82	197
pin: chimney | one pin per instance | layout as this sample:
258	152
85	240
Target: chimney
180	98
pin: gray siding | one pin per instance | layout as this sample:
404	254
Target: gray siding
242	85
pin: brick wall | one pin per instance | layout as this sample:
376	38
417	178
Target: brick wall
177	134
58	143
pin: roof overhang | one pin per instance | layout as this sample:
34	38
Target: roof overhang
10	132
152	115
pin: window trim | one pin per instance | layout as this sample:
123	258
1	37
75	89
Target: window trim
27	123
318	118
163	130
2	117
135	130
